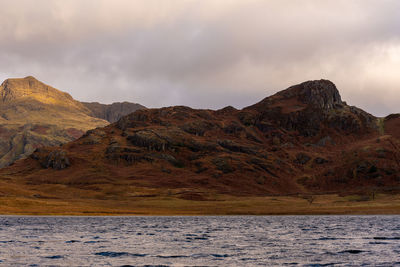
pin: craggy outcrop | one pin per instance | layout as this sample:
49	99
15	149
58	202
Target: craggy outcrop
308	108
56	159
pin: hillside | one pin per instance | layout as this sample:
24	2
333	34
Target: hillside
33	114
301	141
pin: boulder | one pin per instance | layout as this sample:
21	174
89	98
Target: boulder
197	127
223	164
233	128
320	161
302	158
326	140
57	160
235	147
149	140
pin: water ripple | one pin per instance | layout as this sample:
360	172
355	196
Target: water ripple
200	241
119	254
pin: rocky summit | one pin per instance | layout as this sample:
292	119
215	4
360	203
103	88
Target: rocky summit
311	108
303	140
33	114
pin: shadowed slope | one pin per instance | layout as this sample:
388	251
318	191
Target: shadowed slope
112	112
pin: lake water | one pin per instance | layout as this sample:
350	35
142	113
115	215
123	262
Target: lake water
200	241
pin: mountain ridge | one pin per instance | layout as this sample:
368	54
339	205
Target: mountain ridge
288	143
15	89
274	157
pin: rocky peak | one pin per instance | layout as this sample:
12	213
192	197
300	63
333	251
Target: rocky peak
319	93
307	108
16	88
30	88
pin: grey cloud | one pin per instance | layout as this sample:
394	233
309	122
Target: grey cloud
205	54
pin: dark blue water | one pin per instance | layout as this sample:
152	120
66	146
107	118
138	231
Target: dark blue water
200	241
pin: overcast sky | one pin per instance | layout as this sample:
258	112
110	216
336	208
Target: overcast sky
204	54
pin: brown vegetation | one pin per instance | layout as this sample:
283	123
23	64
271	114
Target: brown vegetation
301	151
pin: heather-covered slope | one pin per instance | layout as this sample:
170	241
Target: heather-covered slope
304	140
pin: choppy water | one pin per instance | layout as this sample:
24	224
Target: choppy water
200	241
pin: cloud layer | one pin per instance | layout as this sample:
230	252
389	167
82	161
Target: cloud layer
204	53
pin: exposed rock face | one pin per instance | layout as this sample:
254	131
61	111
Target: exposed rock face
302	140
112	112
57	160
308	108
321	94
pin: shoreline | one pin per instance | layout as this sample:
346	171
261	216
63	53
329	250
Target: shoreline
198	215
222	205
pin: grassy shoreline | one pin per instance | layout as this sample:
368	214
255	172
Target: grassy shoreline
382	204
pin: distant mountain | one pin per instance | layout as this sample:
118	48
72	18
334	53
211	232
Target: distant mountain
302	140
33	114
112	112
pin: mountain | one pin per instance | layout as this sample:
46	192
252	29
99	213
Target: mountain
112	112
303	140
33	114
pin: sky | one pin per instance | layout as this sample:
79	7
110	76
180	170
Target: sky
204	53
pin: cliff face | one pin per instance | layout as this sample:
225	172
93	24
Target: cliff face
30	88
302	140
112	112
